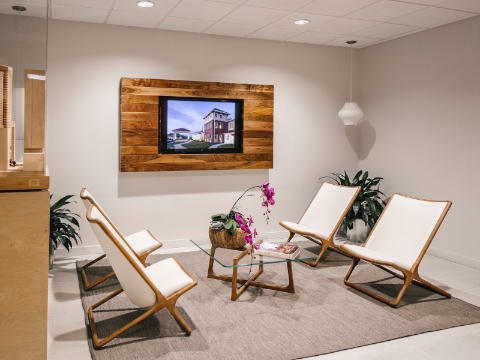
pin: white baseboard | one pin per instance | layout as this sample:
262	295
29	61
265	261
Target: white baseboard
79	250
459	259
185	243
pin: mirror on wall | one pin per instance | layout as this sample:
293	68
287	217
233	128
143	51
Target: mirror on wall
23	62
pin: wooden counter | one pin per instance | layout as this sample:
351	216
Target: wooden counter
17	179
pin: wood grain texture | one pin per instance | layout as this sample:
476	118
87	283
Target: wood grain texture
24	226
139	123
17	179
34	111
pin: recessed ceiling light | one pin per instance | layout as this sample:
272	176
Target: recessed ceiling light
145	4
302	22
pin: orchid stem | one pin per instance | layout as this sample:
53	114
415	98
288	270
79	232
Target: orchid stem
253	187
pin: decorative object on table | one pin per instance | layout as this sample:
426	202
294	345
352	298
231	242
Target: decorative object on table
61	229
143	243
351	113
279	250
366	208
322	218
395	245
233	230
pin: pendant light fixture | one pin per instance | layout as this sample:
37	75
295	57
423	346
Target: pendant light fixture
351	112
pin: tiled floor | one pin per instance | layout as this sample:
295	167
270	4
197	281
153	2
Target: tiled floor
67	336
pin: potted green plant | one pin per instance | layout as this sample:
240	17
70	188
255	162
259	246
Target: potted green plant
61	229
366	208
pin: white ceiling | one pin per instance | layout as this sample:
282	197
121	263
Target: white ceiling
332	22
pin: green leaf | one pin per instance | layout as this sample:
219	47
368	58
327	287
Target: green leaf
62	202
365	218
357	177
372	208
219	217
347	180
356	207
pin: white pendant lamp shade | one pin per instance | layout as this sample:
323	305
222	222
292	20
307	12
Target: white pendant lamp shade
350	113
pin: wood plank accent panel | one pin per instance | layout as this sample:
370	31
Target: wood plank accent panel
34	112
24	229
139	124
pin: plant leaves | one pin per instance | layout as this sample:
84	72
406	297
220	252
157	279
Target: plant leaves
357	177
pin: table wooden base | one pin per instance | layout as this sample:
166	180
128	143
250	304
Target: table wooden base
234	279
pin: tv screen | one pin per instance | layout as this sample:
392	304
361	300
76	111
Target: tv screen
200	125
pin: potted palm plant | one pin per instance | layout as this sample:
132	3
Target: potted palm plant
61	229
366	208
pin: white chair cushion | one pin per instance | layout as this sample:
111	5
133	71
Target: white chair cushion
168	276
362	252
141	242
327	207
303	230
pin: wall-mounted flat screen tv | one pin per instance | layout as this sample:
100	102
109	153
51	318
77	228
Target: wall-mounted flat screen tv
200	125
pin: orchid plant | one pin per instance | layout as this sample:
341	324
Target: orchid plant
234	219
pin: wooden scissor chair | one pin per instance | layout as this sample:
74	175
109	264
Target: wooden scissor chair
323	217
399	240
142	243
157	286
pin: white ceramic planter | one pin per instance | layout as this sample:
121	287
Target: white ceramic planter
359	232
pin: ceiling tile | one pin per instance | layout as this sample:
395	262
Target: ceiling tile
37	9
385	31
238	2
162	7
361	41
202	10
288	22
75	13
385	10
464	5
424	2
335	7
254	15
345	26
134	19
229	29
278	34
182	24
97	4
431	17
279	4
314	38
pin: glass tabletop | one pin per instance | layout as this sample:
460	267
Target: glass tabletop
225	257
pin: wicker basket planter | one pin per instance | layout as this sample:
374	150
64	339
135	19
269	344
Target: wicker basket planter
223	239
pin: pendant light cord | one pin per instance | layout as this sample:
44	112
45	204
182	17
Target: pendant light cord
351	70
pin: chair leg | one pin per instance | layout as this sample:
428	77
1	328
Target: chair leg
99	343
315	263
407	280
427	285
180	320
290	236
88	286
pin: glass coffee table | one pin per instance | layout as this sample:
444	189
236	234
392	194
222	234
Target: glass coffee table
235	259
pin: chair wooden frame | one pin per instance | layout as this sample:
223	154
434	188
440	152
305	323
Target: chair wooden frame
142	257
327	243
160	303
409	276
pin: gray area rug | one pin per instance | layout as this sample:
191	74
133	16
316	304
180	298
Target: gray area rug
323	315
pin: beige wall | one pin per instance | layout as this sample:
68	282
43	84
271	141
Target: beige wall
421	131
85	64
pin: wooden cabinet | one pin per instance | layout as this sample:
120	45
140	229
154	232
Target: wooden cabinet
24	232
